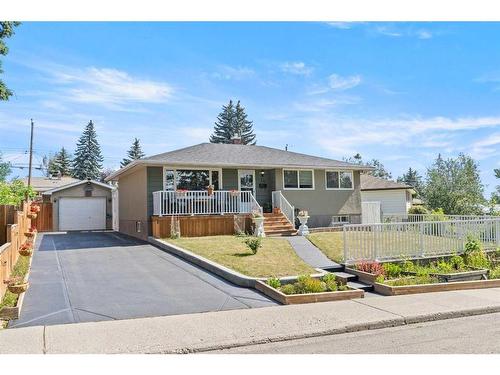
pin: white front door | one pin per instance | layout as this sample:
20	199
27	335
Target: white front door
83	213
246	182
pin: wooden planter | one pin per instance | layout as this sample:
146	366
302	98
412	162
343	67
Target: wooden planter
18	288
473	274
30	234
292	299
388	290
26	252
364	277
32	216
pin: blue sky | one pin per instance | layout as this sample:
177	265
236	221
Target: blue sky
398	92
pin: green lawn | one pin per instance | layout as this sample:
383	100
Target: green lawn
275	258
330	243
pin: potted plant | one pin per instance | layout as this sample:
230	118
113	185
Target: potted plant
180	192
258	220
303	216
210	190
31	232
17	285
34	210
26	249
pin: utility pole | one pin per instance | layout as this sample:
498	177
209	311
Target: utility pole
31	154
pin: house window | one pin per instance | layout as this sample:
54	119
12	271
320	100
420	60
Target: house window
191	179
339	180
298	179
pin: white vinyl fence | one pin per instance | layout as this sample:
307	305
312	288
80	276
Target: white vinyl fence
415	218
393	241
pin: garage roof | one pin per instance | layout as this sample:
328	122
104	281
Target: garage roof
79	182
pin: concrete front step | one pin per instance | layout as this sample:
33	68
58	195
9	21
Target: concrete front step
275	233
360	285
345	277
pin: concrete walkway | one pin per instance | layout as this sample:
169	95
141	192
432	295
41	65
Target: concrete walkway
236	328
310	253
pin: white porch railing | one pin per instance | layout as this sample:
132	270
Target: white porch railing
201	203
396	241
279	201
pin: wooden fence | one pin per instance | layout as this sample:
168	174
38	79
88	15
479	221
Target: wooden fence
14	230
44	221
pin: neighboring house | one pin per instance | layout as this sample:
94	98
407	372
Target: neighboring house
82	205
43	184
395	198
244	178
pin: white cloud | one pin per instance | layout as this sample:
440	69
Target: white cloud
424	34
111	86
388	31
341	25
337	82
296	67
238	73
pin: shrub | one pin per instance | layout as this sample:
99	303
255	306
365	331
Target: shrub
274	282
254	243
444	267
494	273
330	282
370	267
418	210
307	284
416	280
392	270
342	287
438	215
407	266
472	244
288	289
477	259
457	262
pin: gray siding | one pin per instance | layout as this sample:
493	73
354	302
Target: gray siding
322	204
229	179
154	183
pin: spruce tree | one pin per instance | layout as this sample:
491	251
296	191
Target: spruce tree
88	158
134	153
224	126
53	166
243	127
64	162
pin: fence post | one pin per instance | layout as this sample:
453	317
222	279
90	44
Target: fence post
421	239
497	232
345	243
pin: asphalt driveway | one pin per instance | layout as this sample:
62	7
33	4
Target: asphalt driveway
82	277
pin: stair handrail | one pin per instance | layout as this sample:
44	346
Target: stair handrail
279	201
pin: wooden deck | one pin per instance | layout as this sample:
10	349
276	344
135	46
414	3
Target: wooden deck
200	225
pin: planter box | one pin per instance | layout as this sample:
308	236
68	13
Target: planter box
9	313
387	290
292	299
473	274
365	277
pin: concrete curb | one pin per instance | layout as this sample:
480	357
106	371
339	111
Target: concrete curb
215	268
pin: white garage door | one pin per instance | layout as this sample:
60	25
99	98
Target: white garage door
82	213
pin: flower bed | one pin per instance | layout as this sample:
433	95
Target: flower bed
308	289
12	301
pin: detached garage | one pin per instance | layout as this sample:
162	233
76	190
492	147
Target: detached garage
83	205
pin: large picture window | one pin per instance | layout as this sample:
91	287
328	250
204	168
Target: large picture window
191	179
298	179
339	180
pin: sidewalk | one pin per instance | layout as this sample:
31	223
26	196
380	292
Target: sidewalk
310	253
226	329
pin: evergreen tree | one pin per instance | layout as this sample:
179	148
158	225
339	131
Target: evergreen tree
64	162
243	127
134	153
6	31
413	179
88	158
53	166
4	169
455	186
225	124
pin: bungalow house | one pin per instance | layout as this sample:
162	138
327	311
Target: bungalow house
206	185
395	198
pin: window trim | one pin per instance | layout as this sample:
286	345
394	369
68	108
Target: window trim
339	171
209	169
298	170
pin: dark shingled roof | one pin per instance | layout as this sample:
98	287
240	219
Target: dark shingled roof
369	182
218	154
